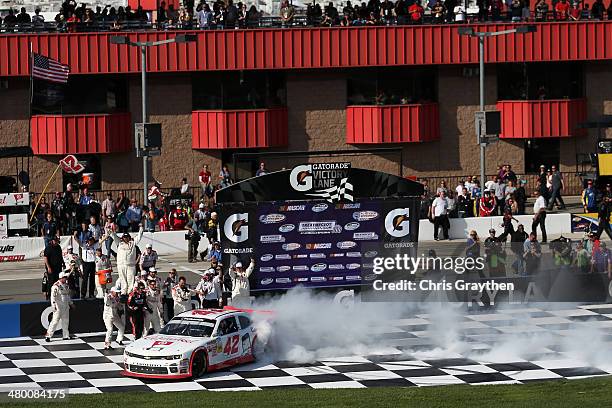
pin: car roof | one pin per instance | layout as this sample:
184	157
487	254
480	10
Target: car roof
210	313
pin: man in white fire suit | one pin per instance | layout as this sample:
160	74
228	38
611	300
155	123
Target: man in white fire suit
112	316
126	258
154	300
241	288
61	304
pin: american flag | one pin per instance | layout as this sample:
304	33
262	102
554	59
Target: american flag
49	69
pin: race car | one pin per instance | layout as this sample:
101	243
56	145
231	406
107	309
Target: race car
193	343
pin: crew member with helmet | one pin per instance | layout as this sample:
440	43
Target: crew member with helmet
61	304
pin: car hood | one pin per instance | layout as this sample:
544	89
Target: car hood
162	345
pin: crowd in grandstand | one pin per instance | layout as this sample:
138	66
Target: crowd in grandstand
225	14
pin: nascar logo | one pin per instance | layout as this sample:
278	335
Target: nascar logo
266	257
346	244
321	245
271	238
318	267
364	236
292	246
286	228
292	208
348	206
365	215
351	226
272	218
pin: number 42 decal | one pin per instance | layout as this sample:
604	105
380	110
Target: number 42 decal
231	347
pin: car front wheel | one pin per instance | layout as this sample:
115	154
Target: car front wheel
198	365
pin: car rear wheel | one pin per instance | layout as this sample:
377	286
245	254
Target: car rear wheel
198	365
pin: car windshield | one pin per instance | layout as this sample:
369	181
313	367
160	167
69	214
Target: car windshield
189	327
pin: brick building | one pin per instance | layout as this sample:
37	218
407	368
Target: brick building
414	87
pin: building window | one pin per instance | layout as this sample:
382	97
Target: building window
541	151
82	94
392	86
238	90
542	81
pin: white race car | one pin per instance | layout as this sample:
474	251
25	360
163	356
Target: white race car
193	343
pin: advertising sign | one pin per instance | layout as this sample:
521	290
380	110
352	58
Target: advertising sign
313	243
14	199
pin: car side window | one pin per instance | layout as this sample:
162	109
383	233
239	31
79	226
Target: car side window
228	326
244	322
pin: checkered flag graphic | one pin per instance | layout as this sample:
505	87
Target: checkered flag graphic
337	193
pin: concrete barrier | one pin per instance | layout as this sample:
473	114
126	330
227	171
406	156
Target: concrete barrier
460	227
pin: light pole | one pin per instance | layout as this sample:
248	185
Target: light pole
180	38
469	31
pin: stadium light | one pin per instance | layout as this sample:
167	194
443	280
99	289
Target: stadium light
481	35
180	38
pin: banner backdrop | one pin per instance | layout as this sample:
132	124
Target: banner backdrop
313	243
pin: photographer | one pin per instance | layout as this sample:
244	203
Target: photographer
196	229
561	251
532	252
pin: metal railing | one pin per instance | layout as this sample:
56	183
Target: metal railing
572	181
301	20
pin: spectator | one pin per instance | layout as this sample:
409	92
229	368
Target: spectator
499	190
589	198
137	304
562	9
262	170
95	229
122	203
196	227
439	214
225	177
575	13
50	229
557	186
460	15
54	264
494	254
416	13
516	245
597	10
184	19
205	179
37	19
108	207
72	22
330	17
516	11
134	215
442	188
84	234
581	260
162	17
603	217
287	13
464	204
103	271
532	253
539	215
23	17
496	10
88	262
439	12
253	17
542	182
204	16
520	196
109	225
473	245
10	20
231	15
486	206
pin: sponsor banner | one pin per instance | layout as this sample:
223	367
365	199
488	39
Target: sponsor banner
315	240
3	227
34	318
14	199
18	221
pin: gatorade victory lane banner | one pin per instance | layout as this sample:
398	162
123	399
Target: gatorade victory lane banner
313	243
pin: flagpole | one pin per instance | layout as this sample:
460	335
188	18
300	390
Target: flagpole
31	100
44	191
